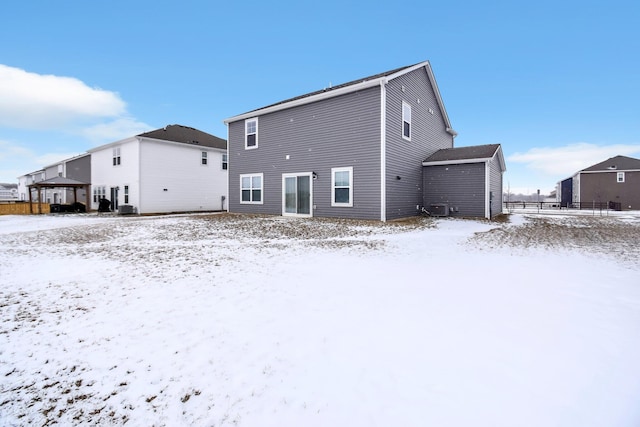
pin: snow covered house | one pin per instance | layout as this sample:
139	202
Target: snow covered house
355	150
613	184
171	169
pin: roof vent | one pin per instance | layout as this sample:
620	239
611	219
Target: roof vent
612	167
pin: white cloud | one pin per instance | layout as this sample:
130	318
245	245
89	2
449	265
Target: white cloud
115	130
561	162
34	101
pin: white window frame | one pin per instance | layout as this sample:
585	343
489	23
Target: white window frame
204	160
247	133
116	156
251	188
620	177
349	204
126	194
225	162
406	120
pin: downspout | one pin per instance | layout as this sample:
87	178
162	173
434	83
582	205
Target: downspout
383	151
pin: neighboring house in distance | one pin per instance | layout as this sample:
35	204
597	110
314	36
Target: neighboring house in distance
8	191
25	180
172	169
465	181
614	183
76	168
351	151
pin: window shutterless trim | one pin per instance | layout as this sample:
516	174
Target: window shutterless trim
406	121
335	187
251	133
620	177
251	189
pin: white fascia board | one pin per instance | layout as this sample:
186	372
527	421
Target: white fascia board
455	162
306	100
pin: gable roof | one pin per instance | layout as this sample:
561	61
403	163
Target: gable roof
186	135
472	154
617	163
352	86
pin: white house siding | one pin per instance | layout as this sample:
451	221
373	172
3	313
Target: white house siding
173	179
428	134
105	174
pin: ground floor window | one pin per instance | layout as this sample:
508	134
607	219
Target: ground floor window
126	194
342	187
99	192
251	188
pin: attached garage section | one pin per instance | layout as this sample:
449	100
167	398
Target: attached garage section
464	182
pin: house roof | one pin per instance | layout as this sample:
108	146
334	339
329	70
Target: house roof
617	163
352	86
59	181
471	154
186	135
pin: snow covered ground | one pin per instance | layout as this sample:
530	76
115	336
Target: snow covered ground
215	320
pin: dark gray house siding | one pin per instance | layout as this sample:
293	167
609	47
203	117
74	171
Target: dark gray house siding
79	169
602	187
467	179
461	187
404	190
337	132
356	125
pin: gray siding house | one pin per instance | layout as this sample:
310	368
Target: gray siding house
350	151
465	181
614	183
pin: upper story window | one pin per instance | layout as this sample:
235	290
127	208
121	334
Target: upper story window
116	156
342	187
251	188
225	163
251	133
204	158
406	121
620	177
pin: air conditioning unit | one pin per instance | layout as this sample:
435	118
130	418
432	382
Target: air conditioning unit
126	210
439	209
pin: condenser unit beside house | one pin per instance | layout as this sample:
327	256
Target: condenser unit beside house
126	210
439	209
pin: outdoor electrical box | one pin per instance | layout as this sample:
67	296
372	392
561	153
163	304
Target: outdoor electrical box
439	209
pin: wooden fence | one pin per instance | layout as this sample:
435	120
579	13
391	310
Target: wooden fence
22	208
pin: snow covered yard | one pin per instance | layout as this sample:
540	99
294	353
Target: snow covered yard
216	320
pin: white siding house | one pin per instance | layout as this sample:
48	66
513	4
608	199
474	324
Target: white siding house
172	169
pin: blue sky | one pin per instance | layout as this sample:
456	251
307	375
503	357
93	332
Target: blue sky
557	83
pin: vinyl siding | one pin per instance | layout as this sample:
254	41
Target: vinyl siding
172	179
338	132
462	187
603	187
495	186
404	158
